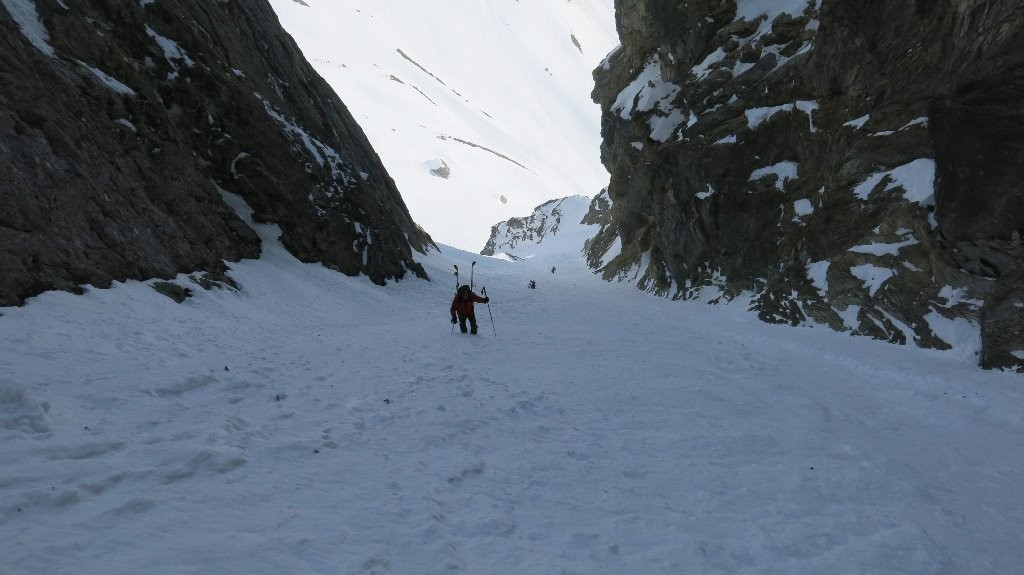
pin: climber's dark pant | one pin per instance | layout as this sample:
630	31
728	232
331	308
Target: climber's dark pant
472	323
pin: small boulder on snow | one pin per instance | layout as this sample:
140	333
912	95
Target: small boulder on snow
439	168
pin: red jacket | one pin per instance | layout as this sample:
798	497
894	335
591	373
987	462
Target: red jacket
465	306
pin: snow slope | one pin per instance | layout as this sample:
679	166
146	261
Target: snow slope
499	92
315	423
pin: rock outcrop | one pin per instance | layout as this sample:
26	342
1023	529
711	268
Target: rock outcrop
520	237
853	164
122	122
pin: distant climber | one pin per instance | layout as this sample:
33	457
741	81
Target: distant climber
552	269
462	308
532	285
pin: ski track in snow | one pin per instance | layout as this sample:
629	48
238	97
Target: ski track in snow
601	431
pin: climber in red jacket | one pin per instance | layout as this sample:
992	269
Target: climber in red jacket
462	306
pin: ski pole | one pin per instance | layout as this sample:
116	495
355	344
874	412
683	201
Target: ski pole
472	266
484	291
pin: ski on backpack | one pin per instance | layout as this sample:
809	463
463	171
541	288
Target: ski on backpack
456	291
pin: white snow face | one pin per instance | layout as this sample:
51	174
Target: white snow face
498	91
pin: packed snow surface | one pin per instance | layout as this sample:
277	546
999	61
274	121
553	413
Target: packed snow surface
316	423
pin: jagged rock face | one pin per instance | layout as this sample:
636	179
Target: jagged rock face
546	221
120	120
855	164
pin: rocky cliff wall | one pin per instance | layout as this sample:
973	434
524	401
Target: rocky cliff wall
119	121
853	164
520	237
